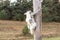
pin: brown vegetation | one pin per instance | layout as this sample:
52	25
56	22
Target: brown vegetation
13	29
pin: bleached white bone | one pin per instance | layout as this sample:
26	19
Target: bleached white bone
12	1
30	21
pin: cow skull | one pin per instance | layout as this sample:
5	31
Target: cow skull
31	24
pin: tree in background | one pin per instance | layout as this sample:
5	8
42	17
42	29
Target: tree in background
15	12
3	8
51	11
20	8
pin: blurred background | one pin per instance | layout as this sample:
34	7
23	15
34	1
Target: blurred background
13	25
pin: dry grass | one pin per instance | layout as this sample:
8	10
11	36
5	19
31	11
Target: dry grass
11	30
51	29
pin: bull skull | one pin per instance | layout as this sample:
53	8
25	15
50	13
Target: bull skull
31	24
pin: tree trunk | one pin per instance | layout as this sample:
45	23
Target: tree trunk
38	18
37	33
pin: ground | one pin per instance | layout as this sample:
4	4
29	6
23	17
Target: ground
52	38
12	30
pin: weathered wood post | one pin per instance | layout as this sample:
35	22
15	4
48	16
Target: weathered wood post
38	18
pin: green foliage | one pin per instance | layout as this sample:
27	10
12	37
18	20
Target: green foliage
25	30
19	9
4	15
15	12
50	8
51	11
18	17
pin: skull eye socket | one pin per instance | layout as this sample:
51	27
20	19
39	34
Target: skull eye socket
31	17
30	20
30	12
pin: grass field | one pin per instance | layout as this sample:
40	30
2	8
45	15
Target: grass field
11	30
53	38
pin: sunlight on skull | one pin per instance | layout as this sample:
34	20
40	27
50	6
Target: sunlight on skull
30	21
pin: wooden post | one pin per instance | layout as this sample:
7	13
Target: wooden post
38	18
